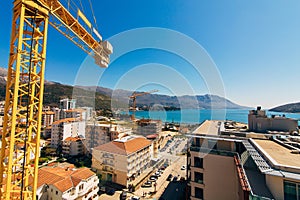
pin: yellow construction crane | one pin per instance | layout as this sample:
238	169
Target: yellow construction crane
25	86
133	97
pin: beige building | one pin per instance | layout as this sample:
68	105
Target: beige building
258	121
123	159
65	182
47	118
148	127
73	146
235	167
213	170
99	133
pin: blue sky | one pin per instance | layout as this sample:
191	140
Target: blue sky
255	45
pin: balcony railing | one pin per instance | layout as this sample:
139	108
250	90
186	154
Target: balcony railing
213	151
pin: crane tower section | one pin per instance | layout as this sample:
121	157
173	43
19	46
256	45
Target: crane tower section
25	87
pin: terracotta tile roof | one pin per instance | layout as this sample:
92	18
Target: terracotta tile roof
48	113
73	139
153	136
66	120
83	173
124	147
75	110
63	177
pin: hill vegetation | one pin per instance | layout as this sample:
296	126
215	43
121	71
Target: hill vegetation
103	98
288	108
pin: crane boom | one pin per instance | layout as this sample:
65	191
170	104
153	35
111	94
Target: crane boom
133	97
25	88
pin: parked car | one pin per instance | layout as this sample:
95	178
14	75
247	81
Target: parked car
123	195
175	178
147	184
153	178
170	177
157	174
182	167
135	198
110	191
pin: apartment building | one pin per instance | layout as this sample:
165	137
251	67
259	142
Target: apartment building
64	128
65	182
47	118
258	121
148	127
234	167
99	133
73	146
122	159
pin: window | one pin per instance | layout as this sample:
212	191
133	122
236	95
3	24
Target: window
198	177
290	190
198	193
56	192
198	142
198	162
212	144
81	187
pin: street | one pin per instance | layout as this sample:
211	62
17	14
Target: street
164	188
167	190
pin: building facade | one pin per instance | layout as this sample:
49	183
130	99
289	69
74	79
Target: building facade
258	121
47	118
97	134
148	127
73	146
120	160
65	182
64	128
230	167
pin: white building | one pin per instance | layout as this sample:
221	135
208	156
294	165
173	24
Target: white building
65	128
65	182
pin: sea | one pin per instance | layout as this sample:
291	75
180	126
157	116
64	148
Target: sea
195	116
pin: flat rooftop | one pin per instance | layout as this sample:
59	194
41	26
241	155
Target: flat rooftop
208	127
279	153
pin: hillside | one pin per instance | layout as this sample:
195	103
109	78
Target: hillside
86	95
187	101
289	108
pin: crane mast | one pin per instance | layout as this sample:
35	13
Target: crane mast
133	97
25	87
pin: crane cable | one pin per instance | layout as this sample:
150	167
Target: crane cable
91	6
81	6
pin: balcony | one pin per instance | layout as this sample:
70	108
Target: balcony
213	151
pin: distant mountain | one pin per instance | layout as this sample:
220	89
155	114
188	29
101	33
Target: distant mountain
105	97
55	91
184	102
289	108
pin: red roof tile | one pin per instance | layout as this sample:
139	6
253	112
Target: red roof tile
125	147
63	177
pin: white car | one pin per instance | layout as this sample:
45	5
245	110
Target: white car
135	198
182	167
